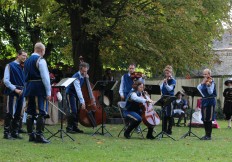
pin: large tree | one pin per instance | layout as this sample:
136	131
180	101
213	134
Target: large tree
116	32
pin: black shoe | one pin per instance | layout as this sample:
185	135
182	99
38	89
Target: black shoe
150	137
206	138
169	132
127	135
16	136
22	131
70	130
40	139
32	137
77	130
7	136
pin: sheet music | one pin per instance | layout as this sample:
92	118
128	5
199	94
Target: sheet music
199	89
65	82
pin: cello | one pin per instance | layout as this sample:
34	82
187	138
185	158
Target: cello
149	116
91	116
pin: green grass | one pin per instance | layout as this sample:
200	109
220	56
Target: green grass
105	148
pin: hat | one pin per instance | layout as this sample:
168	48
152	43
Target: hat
179	92
228	81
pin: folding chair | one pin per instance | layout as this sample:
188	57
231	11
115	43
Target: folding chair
125	119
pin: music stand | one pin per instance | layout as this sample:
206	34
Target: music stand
62	85
191	91
102	86
163	102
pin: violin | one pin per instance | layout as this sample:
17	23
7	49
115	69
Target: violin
209	81
136	75
167	79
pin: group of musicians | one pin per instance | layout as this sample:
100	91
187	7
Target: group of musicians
32	82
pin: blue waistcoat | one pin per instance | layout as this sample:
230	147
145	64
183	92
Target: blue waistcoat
179	105
209	99
71	89
165	91
17	77
34	84
132	105
127	86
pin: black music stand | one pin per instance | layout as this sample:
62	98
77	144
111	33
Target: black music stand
62	85
103	86
191	91
153	89
163	102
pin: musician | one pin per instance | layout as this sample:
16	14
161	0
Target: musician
74	96
227	109
14	80
38	90
109	77
167	88
127	82
179	106
208	90
133	109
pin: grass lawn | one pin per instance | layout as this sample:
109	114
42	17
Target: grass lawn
106	148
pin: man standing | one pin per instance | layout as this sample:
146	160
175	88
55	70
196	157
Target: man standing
127	82
74	94
38	90
14	80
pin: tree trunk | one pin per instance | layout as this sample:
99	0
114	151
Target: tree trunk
84	45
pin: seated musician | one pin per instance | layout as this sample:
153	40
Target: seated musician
179	106
133	109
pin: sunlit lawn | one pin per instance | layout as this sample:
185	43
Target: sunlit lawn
106	148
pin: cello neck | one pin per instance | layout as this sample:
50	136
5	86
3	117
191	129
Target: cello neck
89	88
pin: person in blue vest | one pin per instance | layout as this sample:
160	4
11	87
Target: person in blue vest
127	82
167	88
75	97
208	90
14	80
38	91
134	110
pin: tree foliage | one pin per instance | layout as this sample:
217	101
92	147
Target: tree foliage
156	33
114	33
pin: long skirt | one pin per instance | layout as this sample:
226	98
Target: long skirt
227	109
53	113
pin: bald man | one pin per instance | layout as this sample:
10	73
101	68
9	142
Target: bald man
38	90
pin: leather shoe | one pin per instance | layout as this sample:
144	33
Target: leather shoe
206	138
40	139
150	137
77	130
127	135
32	137
16	136
7	136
